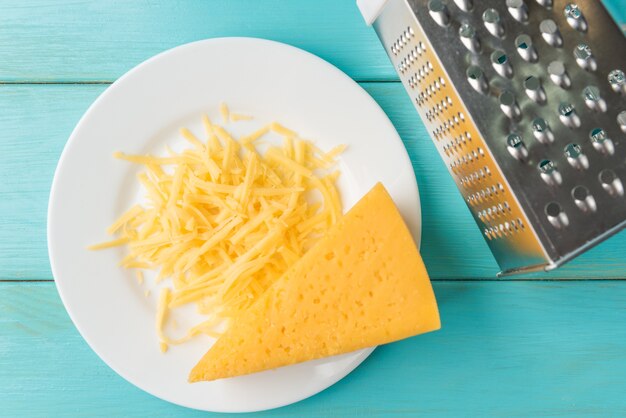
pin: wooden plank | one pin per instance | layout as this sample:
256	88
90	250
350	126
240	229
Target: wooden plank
37	119
506	349
36	122
47	40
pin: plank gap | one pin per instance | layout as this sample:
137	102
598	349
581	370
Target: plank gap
107	82
61	83
435	280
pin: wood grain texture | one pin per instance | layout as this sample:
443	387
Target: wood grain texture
37	120
85	40
506	349
95	40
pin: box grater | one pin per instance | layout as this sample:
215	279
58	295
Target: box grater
526	103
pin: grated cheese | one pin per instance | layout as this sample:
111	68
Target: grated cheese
236	117
108	244
225	112
223	221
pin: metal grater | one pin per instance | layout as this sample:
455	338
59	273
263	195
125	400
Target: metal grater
526	104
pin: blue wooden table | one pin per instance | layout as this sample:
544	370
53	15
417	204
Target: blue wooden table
546	344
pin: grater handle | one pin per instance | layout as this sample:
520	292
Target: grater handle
370	9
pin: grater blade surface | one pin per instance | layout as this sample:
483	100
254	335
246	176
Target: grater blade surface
526	104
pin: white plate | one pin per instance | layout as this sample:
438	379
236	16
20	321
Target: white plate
140	113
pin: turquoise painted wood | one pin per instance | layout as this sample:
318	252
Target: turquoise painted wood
37	119
511	348
100	40
86	40
506	349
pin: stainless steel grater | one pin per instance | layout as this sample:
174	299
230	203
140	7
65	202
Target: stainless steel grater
526	103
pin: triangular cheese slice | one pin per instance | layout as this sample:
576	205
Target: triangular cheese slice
363	284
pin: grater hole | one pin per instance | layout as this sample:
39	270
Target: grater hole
534	89
549	173
518	9
583	199
491	20
617	81
601	142
584	57
542	131
476	78
509	106
611	183
555	215
525	48
575	156
553	209
580	192
439	12
568	115
467	33
607	176
516	147
550	33
575	17
558	74
593	99
573	151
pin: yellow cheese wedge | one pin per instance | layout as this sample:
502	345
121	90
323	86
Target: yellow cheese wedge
363	284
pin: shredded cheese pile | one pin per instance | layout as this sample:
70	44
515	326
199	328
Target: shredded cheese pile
223	221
